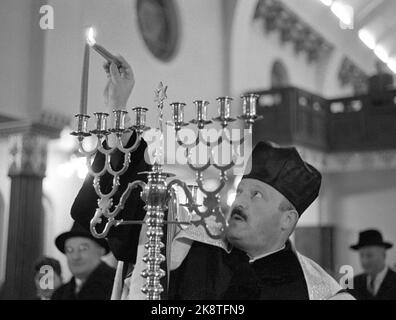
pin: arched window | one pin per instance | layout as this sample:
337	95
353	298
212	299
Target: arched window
279	75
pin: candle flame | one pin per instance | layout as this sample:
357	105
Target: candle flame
91	36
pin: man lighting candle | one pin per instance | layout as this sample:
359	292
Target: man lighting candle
263	263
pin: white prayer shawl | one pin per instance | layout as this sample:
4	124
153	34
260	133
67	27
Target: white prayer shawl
321	286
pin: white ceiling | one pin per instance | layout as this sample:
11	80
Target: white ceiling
377	17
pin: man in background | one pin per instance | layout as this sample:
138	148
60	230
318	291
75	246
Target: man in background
92	278
378	282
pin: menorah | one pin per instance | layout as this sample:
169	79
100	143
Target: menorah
157	193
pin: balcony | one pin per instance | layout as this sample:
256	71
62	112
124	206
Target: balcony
292	116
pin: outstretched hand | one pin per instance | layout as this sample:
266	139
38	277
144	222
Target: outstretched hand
119	85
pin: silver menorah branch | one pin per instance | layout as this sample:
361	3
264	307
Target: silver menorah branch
156	193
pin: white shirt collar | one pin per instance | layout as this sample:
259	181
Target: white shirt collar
79	284
378	279
252	259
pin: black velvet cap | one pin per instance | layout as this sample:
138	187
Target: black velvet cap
284	170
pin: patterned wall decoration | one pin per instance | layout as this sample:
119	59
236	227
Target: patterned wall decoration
351	74
278	18
349	161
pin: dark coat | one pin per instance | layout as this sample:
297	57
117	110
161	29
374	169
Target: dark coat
98	286
278	276
209	273
387	290
123	239
203	274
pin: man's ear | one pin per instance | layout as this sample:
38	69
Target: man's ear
289	220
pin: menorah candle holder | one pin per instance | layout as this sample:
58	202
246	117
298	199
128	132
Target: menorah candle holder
101	124
119	122
140	120
249	115
224	111
157	192
82	126
201	119
177	115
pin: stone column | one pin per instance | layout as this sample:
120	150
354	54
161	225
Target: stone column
28	151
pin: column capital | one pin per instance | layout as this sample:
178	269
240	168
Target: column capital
28	142
28	154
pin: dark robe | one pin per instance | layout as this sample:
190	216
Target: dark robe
210	273
203	274
387	290
98	286
278	276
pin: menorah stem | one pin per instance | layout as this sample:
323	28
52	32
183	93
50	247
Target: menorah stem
154	257
155	195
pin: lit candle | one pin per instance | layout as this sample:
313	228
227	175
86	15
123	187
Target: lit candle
100	49
84	81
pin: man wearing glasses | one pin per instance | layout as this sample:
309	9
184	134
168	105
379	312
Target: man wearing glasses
92	278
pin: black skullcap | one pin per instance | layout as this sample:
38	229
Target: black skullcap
284	170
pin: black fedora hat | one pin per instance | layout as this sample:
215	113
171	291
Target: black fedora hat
78	231
371	237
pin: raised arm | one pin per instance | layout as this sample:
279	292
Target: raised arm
123	239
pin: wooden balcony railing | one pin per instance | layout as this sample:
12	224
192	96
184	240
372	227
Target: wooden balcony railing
295	116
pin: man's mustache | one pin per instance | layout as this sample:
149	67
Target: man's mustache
238	212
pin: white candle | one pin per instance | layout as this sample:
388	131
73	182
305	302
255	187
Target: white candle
84	81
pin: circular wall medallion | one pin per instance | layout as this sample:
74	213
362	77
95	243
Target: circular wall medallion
158	24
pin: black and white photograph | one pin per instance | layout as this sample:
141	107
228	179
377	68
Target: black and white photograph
220	151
